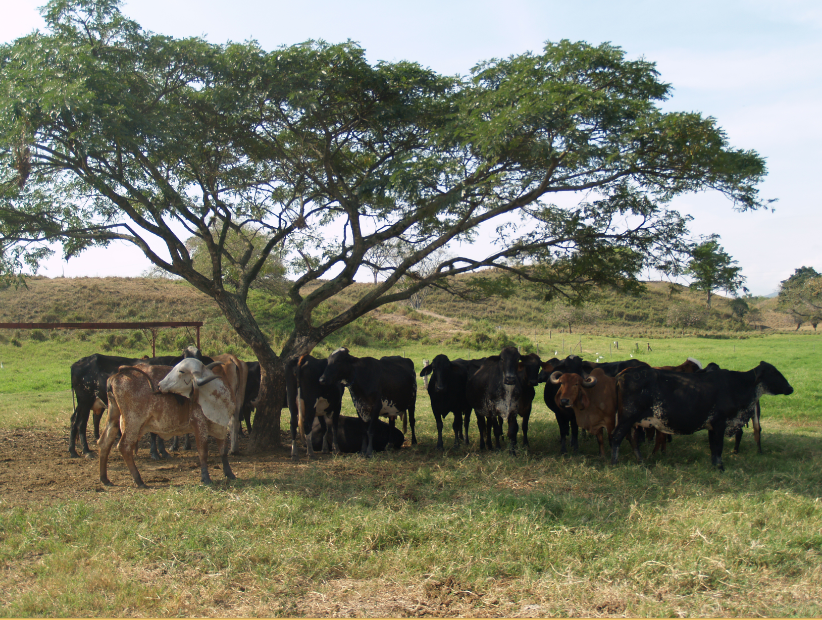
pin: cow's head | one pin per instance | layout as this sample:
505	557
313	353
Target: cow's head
771	379
532	368
338	370
438	369
510	361
572	388
186	376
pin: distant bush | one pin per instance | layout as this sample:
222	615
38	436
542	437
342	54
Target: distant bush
38	335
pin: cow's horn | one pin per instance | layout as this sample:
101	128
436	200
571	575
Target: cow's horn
555	377
201	382
589	382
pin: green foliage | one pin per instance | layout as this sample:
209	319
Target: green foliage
110	132
711	268
801	296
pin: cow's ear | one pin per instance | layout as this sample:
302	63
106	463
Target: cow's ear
426	371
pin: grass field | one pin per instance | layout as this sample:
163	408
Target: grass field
419	533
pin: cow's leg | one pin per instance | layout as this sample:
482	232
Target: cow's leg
601	439
127	446
234	433
513	427
96	417
481	426
737	441
79	421
187	441
201	440
222	447
75	429
157	447
392	424
466	422
525	420
335	425
716	437
563	424
438	418
295	420
622	429
106	441
325	429
372	423
412	420
757	428
457	426
497	425
574	432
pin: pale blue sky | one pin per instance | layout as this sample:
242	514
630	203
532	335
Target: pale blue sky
755	66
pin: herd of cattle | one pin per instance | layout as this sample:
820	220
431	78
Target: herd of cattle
174	396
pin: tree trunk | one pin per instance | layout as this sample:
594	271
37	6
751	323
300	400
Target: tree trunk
265	433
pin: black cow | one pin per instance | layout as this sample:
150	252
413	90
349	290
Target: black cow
501	389
308	399
676	403
447	391
385	386
351	432
88	382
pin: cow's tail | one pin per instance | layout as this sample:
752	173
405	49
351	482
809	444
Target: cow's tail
300	401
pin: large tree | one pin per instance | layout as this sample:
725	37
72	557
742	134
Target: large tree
712	268
801	296
109	132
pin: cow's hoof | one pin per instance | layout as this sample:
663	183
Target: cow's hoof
295	458
106	482
89	455
231	477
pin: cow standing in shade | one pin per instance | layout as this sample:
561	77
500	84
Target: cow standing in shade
308	399
88	383
502	389
447	390
385	386
683	403
593	400
190	397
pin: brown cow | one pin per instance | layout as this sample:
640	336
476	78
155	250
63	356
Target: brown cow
593	399
135	408
239	371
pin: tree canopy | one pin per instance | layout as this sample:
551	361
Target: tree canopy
109	132
713	269
801	296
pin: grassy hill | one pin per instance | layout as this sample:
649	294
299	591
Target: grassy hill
442	319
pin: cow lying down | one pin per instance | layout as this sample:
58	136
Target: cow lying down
350	433
137	407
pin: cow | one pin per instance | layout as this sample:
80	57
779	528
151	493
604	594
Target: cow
350	434
88	384
661	439
206	408
753	415
447	391
252	389
593	399
502	389
308	399
566	418
385	386
683	403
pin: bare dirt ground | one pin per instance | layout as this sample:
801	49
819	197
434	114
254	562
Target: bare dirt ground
50	474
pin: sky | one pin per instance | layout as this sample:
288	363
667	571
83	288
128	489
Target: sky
752	65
